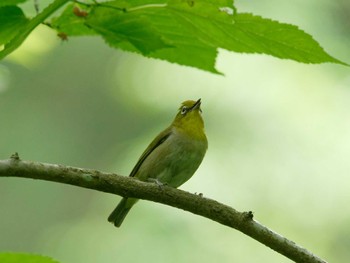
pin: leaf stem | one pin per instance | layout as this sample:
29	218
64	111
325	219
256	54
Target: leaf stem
145	6
85	4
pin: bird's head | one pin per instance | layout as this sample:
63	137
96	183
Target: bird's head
189	117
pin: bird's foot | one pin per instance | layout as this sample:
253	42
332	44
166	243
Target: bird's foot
199	194
157	182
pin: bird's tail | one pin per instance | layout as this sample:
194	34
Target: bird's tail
119	213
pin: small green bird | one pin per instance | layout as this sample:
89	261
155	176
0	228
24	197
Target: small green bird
172	157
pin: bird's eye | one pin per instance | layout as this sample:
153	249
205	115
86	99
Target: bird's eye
183	110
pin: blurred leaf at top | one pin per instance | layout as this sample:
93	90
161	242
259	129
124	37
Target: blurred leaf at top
24	258
12	20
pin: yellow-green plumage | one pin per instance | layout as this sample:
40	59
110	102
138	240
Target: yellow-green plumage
172	157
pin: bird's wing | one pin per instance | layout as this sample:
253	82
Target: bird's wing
162	137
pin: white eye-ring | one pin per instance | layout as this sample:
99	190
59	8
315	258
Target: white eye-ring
183	110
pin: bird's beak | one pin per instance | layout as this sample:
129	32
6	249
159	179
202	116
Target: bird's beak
196	105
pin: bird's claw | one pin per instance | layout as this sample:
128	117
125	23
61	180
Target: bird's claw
157	182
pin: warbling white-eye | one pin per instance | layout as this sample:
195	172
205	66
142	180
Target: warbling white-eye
172	157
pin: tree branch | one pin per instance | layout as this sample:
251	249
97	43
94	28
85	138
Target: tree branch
131	187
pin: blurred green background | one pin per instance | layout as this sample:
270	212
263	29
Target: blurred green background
279	145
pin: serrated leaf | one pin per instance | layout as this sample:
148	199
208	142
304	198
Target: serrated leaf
195	29
187	32
261	35
11	2
24	258
71	24
181	47
249	34
12	20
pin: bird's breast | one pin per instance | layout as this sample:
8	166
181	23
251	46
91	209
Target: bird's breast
175	160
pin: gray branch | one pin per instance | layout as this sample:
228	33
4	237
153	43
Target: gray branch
130	187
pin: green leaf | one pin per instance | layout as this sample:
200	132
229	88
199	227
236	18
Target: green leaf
261	35
189	32
70	23
24	258
144	29
117	26
11	2
247	33
12	20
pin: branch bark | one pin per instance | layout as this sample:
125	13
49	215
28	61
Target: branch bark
131	187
